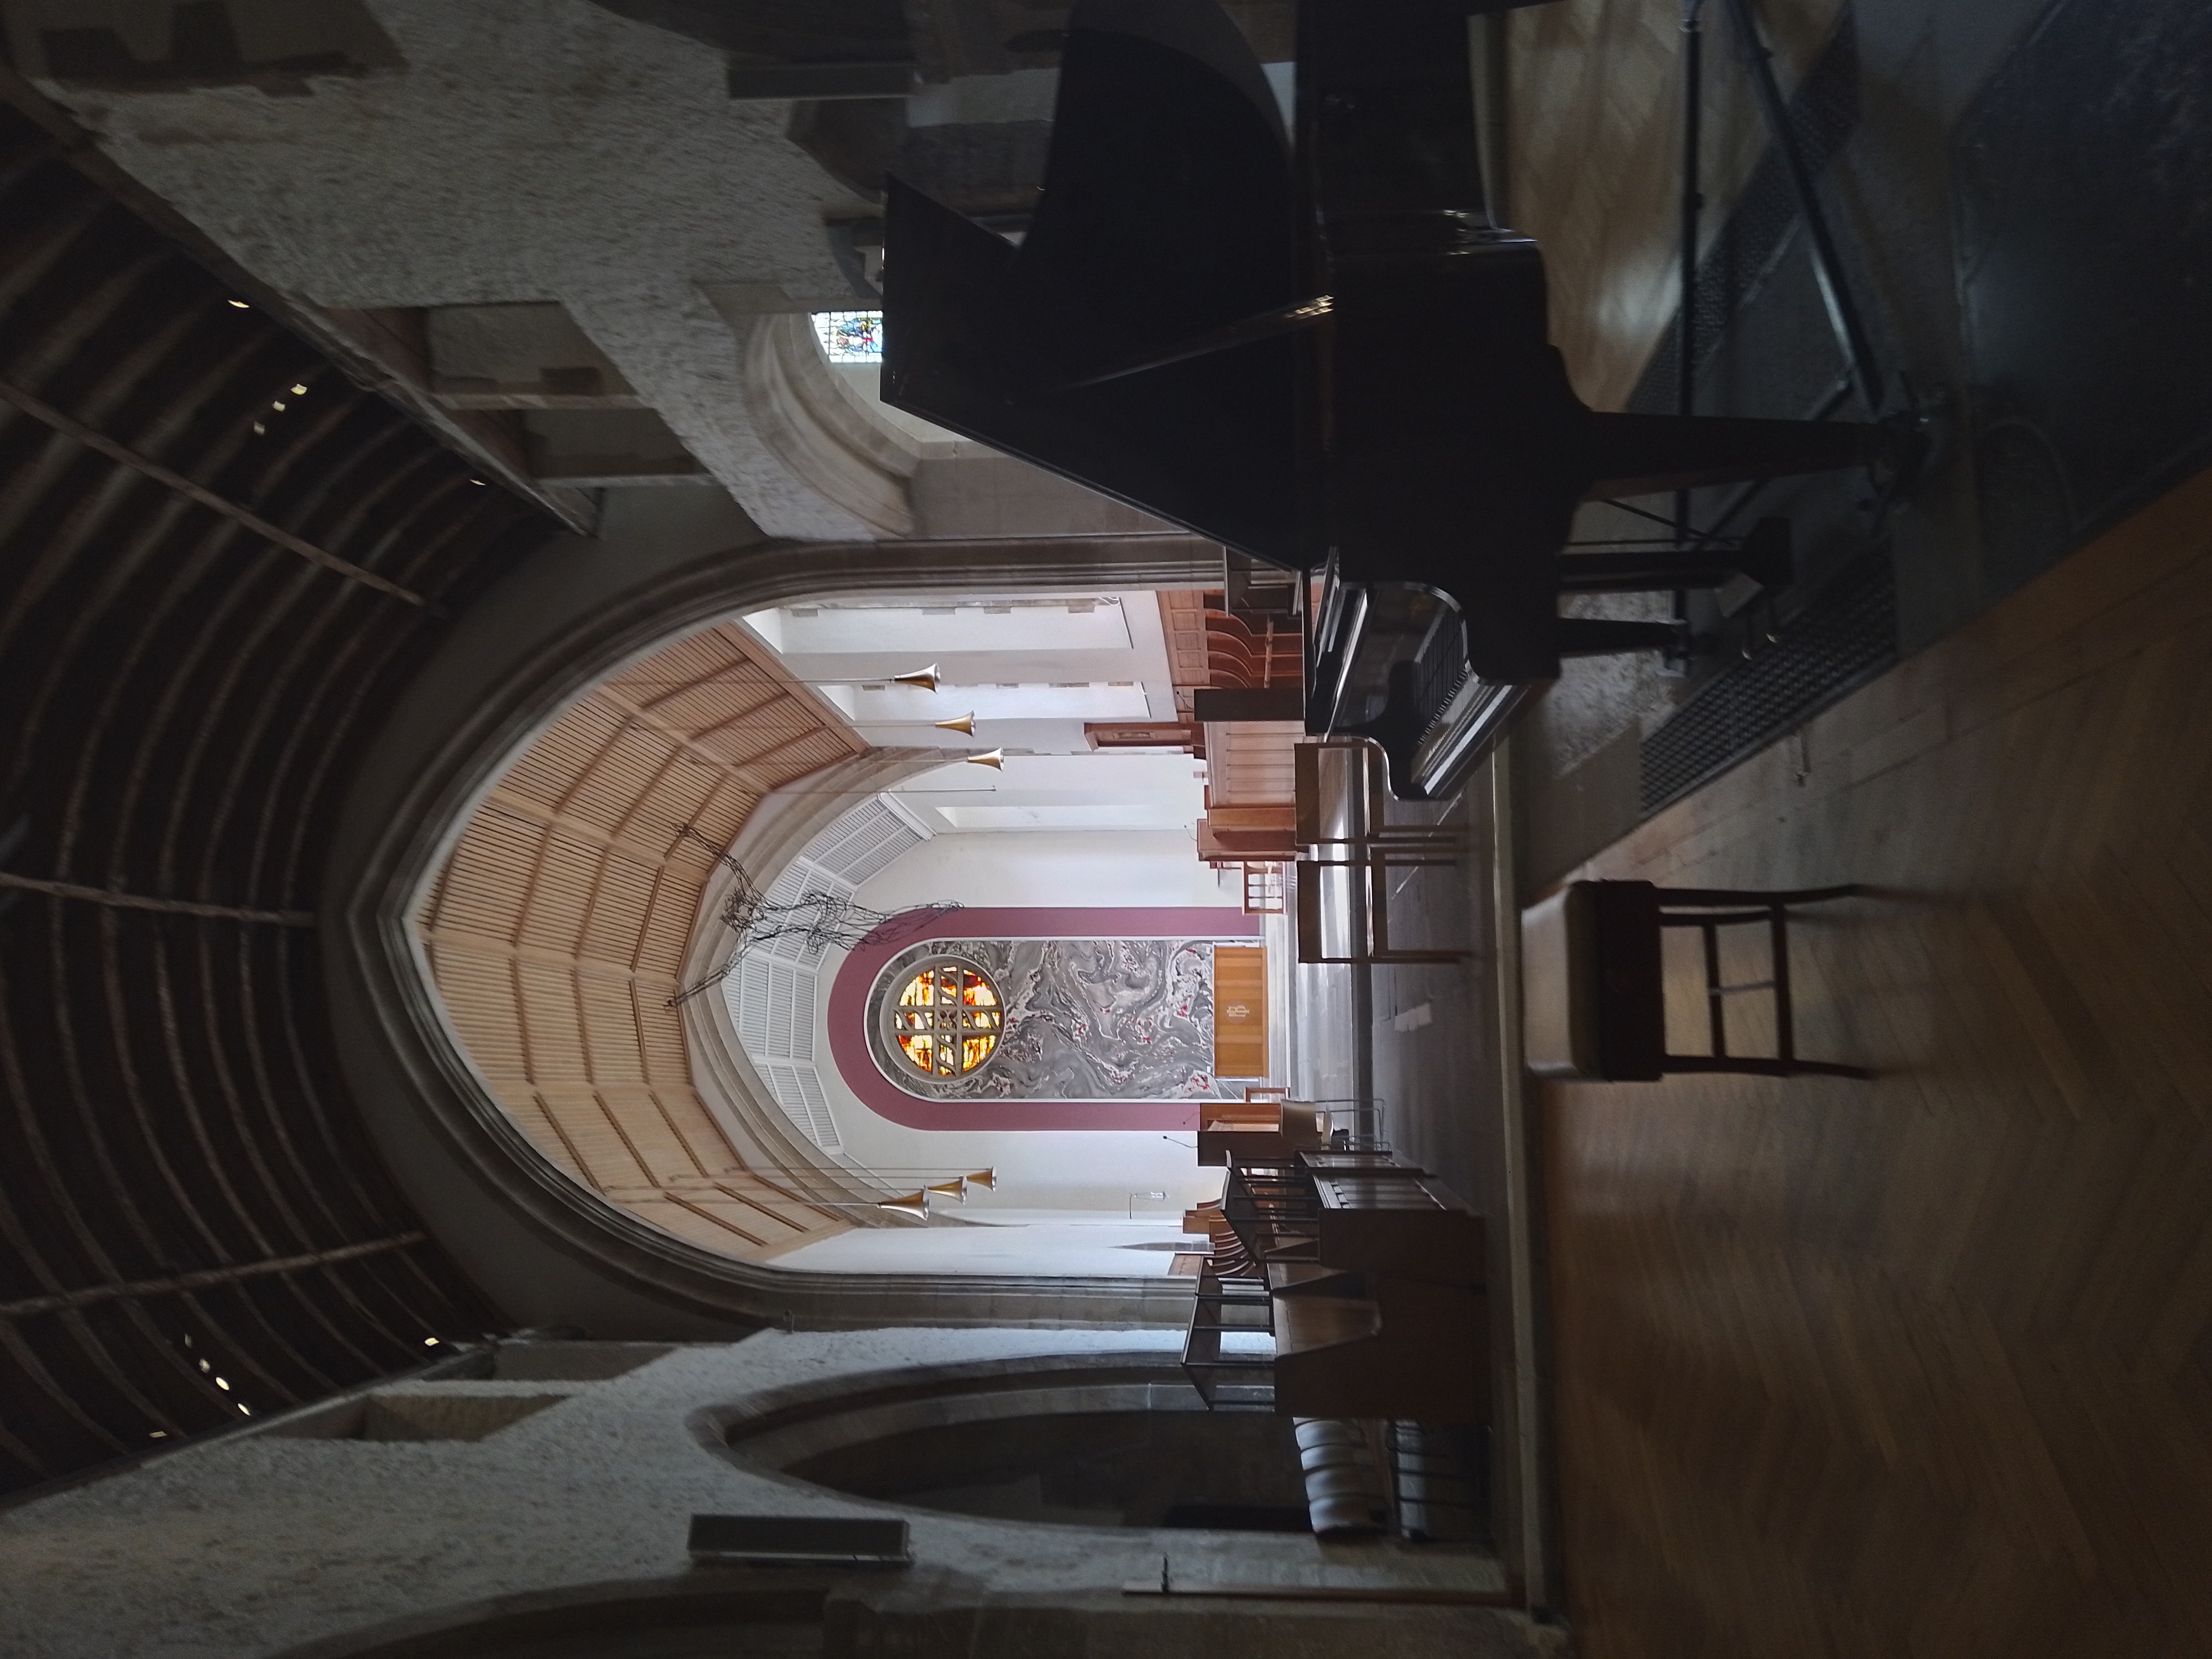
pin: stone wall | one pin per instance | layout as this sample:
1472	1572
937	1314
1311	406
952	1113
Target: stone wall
372	1525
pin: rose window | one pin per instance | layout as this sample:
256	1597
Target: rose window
946	1020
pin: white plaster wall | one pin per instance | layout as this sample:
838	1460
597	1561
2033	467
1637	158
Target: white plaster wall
980	647
1006	1240
1150	801
1149	869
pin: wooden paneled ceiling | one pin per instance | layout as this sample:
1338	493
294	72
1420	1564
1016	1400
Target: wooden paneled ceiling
557	930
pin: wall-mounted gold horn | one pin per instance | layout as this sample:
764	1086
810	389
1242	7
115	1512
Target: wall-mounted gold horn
993	758
956	1187
965	725
924	678
987	1179
914	1204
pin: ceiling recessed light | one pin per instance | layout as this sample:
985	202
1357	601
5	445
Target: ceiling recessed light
242	304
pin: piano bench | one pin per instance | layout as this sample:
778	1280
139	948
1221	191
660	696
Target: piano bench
1594	985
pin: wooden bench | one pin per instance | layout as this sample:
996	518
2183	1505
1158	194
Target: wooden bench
1371	1277
1594	980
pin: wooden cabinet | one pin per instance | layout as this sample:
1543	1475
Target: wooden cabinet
1240	1011
1390	1219
1371	1275
1387	1319
1381	1344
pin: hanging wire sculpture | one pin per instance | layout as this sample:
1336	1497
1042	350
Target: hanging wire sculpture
818	921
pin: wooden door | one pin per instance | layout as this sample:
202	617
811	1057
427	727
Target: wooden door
1240	1011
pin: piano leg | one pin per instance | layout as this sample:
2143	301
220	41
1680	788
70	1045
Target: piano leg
1652	454
1763	555
1595	637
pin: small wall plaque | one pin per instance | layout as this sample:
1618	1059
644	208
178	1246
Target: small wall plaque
799	1540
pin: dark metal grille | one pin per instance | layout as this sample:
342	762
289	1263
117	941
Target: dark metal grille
1847	635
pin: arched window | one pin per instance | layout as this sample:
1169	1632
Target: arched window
850	336
946	1020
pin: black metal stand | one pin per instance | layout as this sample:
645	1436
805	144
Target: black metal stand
1835	291
1711	908
1694	202
1631	565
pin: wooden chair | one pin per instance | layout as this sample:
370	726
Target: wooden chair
1341	791
1229	1305
1225	1251
1263	888
1592	969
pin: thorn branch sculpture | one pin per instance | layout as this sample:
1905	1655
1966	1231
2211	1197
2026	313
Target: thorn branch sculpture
818	921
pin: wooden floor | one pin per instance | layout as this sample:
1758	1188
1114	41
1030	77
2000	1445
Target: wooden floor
1923	1367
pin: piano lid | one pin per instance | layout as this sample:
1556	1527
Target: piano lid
1167	225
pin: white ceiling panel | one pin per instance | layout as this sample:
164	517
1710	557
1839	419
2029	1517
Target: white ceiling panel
1023	625
887	703
1143	815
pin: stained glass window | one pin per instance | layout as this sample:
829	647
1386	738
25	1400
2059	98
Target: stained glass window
947	1020
850	336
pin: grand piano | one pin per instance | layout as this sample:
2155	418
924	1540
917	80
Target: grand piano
1319	349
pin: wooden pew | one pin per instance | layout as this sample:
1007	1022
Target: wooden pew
1254	1131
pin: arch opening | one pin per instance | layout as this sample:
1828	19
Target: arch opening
1126	1445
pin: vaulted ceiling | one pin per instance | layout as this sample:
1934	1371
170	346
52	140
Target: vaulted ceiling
219	558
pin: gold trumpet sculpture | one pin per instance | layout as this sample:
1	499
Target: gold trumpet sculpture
965	725
924	678
916	1203
959	1186
985	1178
993	758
